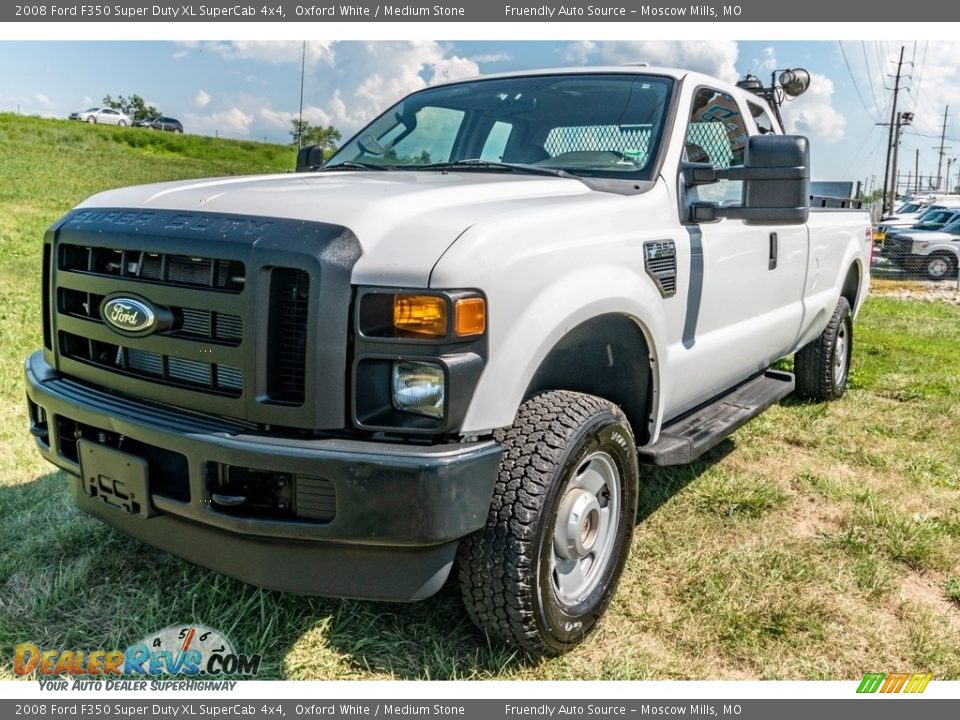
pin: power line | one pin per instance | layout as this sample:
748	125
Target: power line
923	61
866	63
856	85
928	135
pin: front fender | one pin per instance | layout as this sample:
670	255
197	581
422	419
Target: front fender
525	330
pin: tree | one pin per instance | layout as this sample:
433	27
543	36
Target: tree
304	133
134	106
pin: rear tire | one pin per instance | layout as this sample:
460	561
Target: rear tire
541	573
823	366
940	266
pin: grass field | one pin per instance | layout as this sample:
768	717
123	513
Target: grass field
820	542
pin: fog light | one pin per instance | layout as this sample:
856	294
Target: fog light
418	388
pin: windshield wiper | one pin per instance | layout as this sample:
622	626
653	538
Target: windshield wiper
354	165
490	165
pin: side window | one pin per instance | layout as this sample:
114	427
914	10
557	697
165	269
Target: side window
716	134
764	123
496	142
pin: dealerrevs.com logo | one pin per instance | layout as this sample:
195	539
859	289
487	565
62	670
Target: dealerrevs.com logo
190	651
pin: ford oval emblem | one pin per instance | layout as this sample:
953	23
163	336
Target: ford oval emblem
127	315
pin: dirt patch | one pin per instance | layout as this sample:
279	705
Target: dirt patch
928	590
945	291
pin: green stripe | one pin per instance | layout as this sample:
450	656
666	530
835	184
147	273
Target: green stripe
871	682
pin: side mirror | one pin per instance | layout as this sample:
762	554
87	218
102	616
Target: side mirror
309	158
776	187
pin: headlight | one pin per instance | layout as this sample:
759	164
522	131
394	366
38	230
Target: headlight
921	245
418	387
431	316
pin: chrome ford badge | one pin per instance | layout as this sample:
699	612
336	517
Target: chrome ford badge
127	315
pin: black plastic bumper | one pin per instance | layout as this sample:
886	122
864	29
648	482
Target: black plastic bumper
399	509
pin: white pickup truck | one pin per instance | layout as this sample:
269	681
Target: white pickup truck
453	345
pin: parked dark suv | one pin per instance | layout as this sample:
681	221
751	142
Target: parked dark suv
161	122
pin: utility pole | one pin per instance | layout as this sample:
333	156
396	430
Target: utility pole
904	118
303	65
943	136
916	171
887	205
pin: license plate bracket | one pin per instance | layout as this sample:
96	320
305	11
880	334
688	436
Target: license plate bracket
115	478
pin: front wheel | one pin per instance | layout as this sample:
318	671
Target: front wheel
541	573
940	266
823	366
91	119
122	123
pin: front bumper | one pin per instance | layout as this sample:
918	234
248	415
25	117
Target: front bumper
400	509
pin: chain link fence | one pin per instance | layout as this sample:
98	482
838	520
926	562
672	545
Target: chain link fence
923	248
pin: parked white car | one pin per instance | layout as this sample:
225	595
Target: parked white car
105	115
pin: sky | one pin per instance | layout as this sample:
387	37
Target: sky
251	89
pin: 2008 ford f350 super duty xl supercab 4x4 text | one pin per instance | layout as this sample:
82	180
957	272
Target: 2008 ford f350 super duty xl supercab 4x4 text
452	345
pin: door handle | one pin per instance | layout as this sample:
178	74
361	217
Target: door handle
774	252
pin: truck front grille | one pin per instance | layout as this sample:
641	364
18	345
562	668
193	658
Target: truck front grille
158	267
180	372
287	347
252	314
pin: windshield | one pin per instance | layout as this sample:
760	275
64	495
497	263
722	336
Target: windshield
952	227
590	125
907	208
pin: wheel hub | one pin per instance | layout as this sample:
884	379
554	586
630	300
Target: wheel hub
577	524
585	529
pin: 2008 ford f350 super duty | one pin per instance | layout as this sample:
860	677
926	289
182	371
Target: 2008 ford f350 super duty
451	345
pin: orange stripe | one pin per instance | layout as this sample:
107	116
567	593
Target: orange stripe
901	679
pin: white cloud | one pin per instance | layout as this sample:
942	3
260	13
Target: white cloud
935	84
369	76
274	51
42	99
491	58
201	99
812	114
713	57
347	84
232	122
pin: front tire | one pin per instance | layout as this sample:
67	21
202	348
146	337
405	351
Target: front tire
822	367
91	119
122	123
541	573
940	266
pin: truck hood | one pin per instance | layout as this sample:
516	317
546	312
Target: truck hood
930	236
404	221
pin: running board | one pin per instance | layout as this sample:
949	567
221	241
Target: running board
685	439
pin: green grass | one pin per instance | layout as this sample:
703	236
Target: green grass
821	541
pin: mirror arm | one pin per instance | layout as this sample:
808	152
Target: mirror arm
703	174
705	212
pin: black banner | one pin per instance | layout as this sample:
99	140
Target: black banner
615	11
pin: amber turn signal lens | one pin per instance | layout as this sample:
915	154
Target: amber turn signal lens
471	316
424	315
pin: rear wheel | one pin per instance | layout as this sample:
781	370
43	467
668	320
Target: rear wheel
940	266
543	570
823	366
